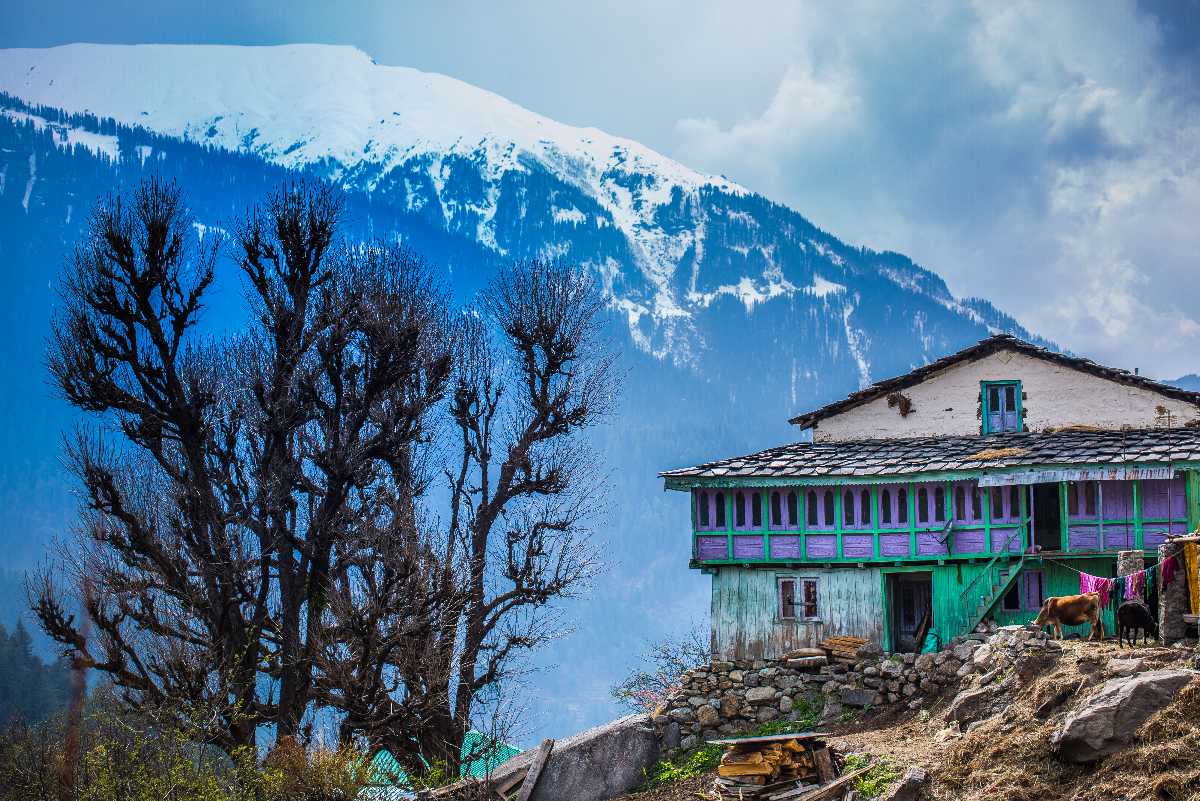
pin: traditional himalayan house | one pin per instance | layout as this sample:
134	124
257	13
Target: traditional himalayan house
971	488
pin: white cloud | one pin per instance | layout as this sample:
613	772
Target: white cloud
1044	156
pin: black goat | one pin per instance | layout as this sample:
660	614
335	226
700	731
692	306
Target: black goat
1132	616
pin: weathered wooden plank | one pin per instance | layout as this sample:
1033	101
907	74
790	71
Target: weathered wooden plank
535	769
834	788
770	738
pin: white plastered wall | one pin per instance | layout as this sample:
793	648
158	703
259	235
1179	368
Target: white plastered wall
947	403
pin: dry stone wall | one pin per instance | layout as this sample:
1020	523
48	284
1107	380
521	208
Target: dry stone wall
726	698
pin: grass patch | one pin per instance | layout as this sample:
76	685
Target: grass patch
876	781
694	763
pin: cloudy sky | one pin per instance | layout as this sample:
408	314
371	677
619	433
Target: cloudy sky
1045	156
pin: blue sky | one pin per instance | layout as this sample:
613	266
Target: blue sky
1046	156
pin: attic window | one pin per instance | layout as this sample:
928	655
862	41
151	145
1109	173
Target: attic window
1001	406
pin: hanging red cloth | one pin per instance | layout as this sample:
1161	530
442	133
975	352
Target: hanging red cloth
1168	570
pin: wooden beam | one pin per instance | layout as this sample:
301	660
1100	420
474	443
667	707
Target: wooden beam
535	769
834	788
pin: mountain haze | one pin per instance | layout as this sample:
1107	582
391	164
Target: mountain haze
732	312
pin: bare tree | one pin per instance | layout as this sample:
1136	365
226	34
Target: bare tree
259	526
663	662
243	470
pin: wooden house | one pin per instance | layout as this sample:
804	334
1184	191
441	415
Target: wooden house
970	488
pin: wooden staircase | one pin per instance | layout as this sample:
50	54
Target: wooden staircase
986	589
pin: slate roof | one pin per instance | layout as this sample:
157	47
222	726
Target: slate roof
890	457
986	347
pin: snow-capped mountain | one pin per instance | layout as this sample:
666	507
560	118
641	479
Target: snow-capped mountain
738	311
473	162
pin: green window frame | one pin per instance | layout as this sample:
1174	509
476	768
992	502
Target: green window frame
1001	388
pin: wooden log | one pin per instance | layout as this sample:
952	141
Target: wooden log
535	769
834	788
825	768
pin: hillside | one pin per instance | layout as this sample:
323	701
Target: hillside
992	736
731	312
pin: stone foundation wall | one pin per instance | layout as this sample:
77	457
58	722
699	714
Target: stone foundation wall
726	698
1173	599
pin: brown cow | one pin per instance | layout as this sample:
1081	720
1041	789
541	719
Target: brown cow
1072	610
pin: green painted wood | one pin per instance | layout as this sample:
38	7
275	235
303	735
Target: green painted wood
1192	487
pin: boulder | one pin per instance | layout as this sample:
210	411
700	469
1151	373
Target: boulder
909	787
596	764
1125	667
760	695
730	706
969	704
854	696
707	716
1107	721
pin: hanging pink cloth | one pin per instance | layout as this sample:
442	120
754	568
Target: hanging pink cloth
1135	584
1088	583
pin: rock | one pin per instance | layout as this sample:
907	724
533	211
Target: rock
962	652
966	670
853	696
759	695
891	669
737	675
868	650
909	787
596	764
751	680
910	659
1107	721
968	704
707	716
1125	667
722	667
982	654
924	662
730	706
908	690
766	713
671	737
767	673
785	704
831	711
689	742
682	714
698	701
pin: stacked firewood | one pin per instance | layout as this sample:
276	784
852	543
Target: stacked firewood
785	767
844	648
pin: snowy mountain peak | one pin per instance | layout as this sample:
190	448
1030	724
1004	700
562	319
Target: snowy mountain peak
307	104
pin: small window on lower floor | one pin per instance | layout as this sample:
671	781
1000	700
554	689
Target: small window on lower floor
1012	600
787	598
798	599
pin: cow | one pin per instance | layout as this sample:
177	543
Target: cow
1133	615
1071	610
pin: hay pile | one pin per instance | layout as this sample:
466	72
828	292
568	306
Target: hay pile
991	454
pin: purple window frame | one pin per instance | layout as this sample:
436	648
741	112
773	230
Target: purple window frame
707	498
861	499
750	504
1077	501
816	508
789	518
971	505
935	504
1009	508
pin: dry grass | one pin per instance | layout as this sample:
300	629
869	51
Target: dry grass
1073	427
991	454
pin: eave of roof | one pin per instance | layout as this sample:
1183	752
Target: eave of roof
983	348
936	457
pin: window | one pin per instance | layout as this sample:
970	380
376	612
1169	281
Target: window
739	510
922	505
812	508
865	517
702	512
829	514
885	506
1089	499
755	510
793	509
1082	500
776	510
787	598
720	510
960	503
1001	406
848	508
902	506
798	598
1014	502
939	504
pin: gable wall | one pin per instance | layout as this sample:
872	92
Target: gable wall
948	403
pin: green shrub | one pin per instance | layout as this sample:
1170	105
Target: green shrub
689	765
876	781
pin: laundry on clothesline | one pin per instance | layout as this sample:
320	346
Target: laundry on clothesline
1098	584
1168	570
1135	585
